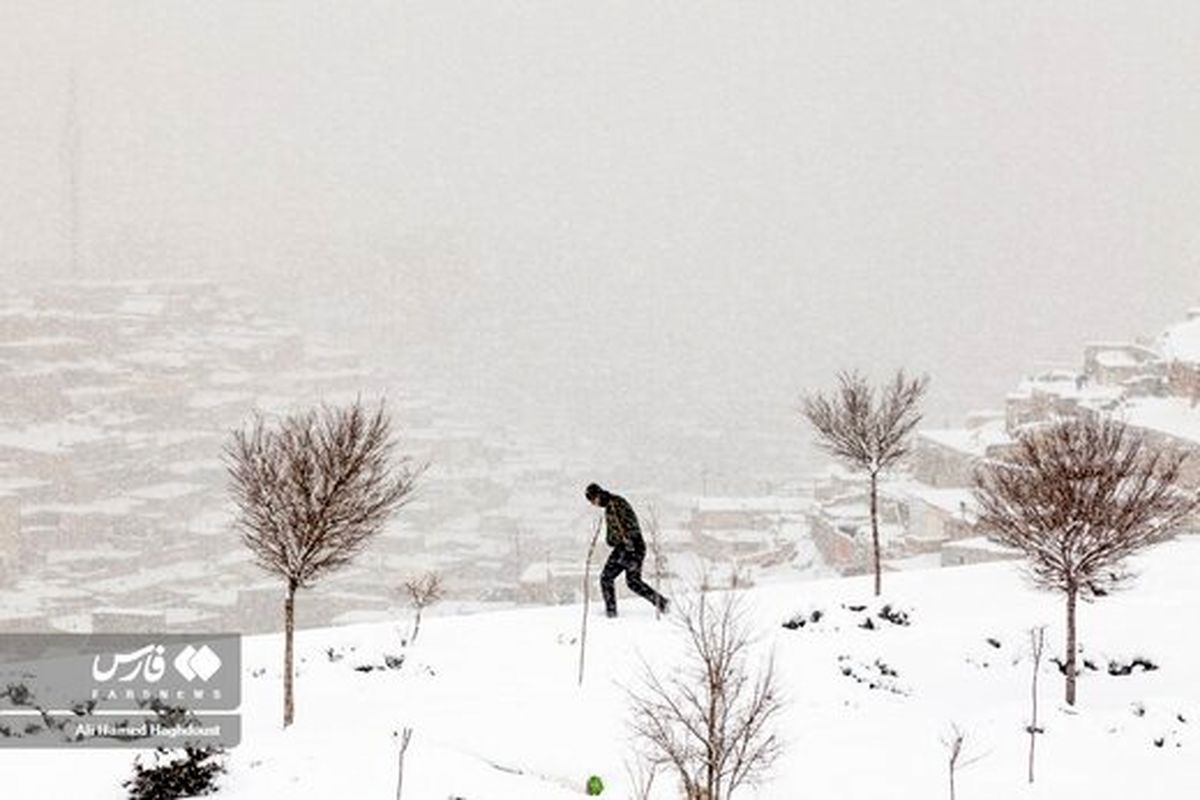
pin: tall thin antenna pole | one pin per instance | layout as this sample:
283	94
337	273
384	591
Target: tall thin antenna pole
72	166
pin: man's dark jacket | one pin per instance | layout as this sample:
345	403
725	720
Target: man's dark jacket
621	527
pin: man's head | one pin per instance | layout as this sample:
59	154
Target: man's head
595	495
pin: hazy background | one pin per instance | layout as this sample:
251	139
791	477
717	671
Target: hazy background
654	224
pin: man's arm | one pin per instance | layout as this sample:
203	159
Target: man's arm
630	532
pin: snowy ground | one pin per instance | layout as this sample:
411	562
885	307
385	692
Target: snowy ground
492	694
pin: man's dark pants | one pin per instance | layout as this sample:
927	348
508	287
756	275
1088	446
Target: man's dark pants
627	560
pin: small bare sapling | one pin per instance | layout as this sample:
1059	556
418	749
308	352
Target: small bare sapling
422	593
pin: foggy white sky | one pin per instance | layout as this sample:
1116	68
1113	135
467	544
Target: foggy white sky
612	216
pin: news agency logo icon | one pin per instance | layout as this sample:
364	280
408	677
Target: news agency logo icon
192	663
149	663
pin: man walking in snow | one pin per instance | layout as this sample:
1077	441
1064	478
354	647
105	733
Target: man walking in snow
624	536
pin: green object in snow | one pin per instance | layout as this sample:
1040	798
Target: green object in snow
594	786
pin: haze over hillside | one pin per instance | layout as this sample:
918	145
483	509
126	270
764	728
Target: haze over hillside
115	508
611	245
597	217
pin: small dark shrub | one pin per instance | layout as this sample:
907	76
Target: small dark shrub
1139	663
18	694
191	772
877	675
894	615
800	620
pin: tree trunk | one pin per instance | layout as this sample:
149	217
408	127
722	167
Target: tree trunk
875	532
1072	595
416	626
289	631
404	740
1037	639
713	732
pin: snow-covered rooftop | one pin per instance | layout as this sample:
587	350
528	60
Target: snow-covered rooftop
975	441
50	437
1181	342
1067	385
766	504
109	506
166	491
1174	416
983	544
1116	359
539	571
14	485
127	611
952	501
41	342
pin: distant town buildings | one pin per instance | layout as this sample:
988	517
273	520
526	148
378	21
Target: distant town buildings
10	535
117	400
927	510
753	532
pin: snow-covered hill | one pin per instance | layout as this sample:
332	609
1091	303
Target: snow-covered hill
497	714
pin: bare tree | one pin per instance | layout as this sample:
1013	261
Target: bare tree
1037	646
422	592
1078	497
955	744
587	596
642	773
311	490
740	575
712	723
868	430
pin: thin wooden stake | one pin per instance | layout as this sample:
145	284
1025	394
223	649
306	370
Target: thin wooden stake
587	593
404	739
1037	640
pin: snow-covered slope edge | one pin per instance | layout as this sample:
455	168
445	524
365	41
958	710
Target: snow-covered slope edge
493	695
